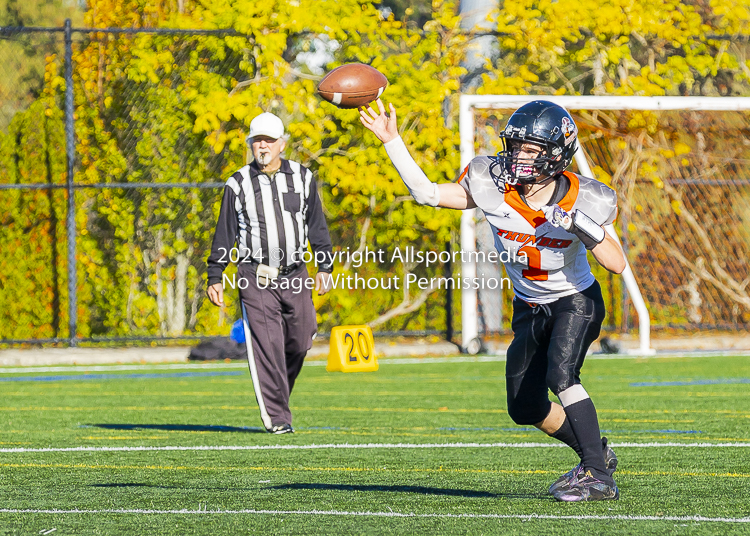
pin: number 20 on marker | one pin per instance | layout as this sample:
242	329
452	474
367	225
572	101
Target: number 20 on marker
352	350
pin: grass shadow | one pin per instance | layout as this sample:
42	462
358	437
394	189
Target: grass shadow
422	490
411	489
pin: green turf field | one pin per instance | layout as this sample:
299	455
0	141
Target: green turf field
471	475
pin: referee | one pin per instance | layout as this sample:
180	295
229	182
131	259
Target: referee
270	210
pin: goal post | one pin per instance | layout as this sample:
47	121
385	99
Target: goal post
467	126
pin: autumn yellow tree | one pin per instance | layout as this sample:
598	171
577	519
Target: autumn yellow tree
172	109
647	48
169	109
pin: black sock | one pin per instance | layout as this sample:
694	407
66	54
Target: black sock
566	435
585	426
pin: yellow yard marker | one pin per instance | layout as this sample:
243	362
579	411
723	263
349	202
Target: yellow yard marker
352	350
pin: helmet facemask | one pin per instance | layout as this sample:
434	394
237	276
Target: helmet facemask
545	125
514	169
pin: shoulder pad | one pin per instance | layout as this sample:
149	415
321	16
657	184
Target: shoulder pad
478	182
479	167
597	200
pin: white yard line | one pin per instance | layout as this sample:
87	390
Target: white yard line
354	446
525	517
384	361
111	368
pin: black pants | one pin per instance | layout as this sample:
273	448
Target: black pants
549	345
282	324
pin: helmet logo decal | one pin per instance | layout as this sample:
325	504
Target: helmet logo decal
569	130
543	124
510	129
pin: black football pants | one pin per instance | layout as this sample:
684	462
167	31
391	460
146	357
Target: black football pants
282	324
549	345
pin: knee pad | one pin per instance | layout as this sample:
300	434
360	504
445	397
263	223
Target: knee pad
559	380
528	412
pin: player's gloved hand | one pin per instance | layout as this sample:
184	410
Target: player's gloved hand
557	216
587	230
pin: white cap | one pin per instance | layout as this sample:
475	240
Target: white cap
266	124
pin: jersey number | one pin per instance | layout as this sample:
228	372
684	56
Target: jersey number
534	271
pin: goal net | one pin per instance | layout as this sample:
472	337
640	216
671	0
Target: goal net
681	167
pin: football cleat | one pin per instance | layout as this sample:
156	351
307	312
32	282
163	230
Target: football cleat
565	480
281	429
588	488
610	462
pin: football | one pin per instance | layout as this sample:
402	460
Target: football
352	85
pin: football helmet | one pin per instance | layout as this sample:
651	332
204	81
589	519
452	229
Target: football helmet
542	123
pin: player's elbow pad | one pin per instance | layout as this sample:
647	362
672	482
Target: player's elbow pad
424	191
426	196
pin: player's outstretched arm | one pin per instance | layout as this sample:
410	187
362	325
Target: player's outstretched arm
424	191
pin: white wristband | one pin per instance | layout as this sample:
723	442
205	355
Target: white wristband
587	225
424	191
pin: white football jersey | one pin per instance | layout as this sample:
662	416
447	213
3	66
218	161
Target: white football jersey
555	263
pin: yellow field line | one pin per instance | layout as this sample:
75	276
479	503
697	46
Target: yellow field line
203	408
397	393
680	395
235	408
647	420
97	466
227	394
675	473
675	411
126	408
399	410
117	438
351	470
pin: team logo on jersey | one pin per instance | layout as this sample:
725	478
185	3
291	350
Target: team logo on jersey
539	241
569	130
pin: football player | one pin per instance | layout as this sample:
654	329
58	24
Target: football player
546	218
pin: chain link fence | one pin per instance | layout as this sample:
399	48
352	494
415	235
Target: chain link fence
32	178
684	179
149	183
125	259
683	183
105	118
112	192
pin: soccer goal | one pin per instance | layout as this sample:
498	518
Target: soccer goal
678	164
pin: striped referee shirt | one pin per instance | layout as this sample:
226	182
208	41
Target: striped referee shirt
270	220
